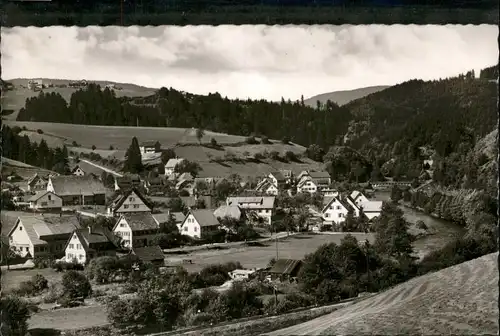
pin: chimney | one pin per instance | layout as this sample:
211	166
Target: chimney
90	229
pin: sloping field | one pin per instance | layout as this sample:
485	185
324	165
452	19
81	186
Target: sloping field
120	136
462	299
22	169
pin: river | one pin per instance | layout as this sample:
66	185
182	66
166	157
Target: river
443	231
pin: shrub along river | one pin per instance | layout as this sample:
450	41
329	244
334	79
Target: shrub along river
440	231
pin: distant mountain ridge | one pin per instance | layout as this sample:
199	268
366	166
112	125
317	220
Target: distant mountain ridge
344	97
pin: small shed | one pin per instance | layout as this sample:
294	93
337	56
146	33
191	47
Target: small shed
285	269
151	254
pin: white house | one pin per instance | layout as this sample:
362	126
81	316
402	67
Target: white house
334	211
131	201
329	192
78	171
198	223
136	229
358	197
170	166
313	181
261	206
241	274
45	200
149	147
277	178
266	186
37	183
85	244
33	236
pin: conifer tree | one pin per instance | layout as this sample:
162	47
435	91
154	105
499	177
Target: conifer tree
133	158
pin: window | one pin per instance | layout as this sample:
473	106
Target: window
340	215
185	229
338	207
195	229
131	199
136	206
78	246
71	246
125	206
27	249
20	228
327	215
80	256
50	197
122	224
70	256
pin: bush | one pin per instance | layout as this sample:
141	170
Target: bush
43	262
111	147
214	143
285	140
259	156
251	140
265	140
39	131
15	314
421	225
54	293
94	147
40	282
290	156
67	302
26	288
75	144
274	155
76	285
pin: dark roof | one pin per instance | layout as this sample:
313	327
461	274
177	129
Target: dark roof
140	221
75	168
96	236
67	185
155	181
278	176
150	143
149	253
205	217
319	175
38	195
285	266
118	201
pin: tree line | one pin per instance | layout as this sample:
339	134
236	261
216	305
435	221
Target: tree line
20	148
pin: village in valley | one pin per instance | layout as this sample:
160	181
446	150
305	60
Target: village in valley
130	210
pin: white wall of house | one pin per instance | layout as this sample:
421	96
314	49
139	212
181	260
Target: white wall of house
191	227
309	187
123	230
273	179
79	172
147	149
39	184
361	199
272	190
133	204
371	215
75	250
330	193
20	241
47	201
335	213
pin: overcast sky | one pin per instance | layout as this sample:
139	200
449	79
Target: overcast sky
267	62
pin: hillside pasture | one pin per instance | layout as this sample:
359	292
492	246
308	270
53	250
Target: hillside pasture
462	299
120	136
22	169
293	247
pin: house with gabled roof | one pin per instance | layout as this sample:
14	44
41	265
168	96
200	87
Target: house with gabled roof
41	235
151	146
45	201
130	201
170	166
313	181
37	183
149	254
285	269
335	211
371	209
198	223
231	211
136	229
260	206
358	197
78	171
87	243
277	178
266	186
78	190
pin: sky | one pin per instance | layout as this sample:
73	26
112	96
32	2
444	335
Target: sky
258	62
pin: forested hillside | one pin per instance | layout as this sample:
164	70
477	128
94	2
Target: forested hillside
172	108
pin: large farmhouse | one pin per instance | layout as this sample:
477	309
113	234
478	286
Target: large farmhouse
33	236
78	190
199	223
131	201
136	229
312	181
45	201
85	244
150	147
37	183
262	207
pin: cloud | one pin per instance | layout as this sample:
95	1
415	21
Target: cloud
260	61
